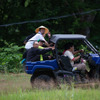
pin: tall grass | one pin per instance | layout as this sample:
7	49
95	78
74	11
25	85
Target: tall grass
55	94
17	87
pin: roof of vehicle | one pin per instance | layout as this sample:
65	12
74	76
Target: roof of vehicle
56	37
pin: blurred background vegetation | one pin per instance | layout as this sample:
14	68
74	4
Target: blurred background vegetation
12	11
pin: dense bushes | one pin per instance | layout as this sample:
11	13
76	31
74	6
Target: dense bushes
13	11
10	57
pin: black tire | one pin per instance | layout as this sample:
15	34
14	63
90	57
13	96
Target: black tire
42	81
69	79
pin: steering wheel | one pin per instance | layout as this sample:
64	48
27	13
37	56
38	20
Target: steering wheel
85	56
82	54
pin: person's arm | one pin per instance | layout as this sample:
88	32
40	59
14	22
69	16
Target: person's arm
76	52
75	58
43	51
51	47
42	38
71	56
49	36
47	44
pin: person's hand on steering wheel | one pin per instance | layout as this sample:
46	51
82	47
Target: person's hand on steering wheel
81	53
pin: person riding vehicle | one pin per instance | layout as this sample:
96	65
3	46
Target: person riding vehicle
33	54
41	32
69	52
46	56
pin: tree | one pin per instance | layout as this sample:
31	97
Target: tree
12	11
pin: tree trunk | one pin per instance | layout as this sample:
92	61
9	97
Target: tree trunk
89	19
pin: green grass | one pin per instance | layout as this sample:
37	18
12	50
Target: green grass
17	87
61	94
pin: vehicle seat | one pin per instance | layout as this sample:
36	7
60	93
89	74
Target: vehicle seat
65	63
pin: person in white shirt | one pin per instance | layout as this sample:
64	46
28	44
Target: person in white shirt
40	34
69	52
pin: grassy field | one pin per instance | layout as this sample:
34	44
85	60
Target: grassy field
17	87
12	82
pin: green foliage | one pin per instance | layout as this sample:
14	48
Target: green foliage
12	11
10	58
86	49
27	3
21	10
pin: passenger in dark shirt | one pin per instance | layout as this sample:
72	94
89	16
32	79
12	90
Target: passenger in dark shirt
34	53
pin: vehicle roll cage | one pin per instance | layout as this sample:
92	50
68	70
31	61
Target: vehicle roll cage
84	40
